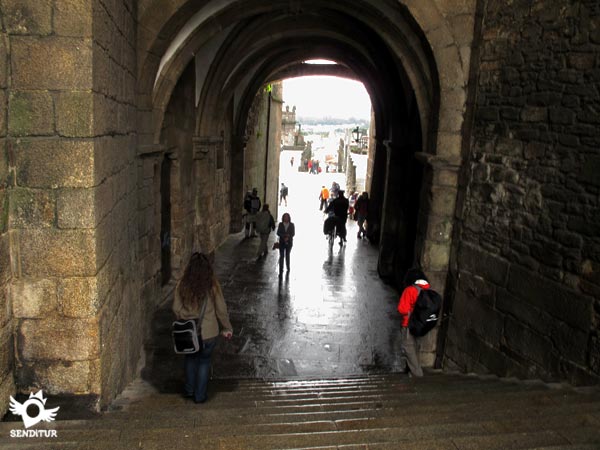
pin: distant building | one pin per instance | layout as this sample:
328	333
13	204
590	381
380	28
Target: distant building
288	126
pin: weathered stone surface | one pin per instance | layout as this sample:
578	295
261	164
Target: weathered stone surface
443	201
68	377
73	18
75	114
529	203
5	265
75	208
3	61
477	261
33	298
28	16
7	354
69	68
60	340
31	208
53	163
478	317
436	255
78	297
31	114
3	113
62	253
563	303
7	388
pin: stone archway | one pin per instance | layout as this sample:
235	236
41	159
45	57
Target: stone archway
431	67
91	241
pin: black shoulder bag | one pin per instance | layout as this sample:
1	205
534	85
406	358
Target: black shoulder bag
187	338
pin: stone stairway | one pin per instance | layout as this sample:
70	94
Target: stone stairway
440	411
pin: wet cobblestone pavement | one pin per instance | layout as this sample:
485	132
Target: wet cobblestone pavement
330	316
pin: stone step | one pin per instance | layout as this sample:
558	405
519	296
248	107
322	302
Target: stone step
436	412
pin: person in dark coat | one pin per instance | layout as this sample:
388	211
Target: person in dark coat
339	206
286	232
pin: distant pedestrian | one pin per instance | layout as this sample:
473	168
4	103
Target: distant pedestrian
339	207
361	208
323	197
283	193
333	191
252	206
352	202
265	223
198	295
292	161
411	344
286	231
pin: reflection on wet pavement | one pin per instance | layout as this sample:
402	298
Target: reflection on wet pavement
331	315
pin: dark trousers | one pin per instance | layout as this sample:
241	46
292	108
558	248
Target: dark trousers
284	252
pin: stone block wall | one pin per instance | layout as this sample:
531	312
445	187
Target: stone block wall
70	128
177	138
50	248
7	385
527	263
122	311
254	161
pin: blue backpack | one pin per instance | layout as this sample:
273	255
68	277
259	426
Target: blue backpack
425	313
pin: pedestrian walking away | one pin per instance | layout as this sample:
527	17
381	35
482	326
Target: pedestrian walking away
265	223
286	231
361	211
323	197
252	206
283	193
410	344
339	207
197	294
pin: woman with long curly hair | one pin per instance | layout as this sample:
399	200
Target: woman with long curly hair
198	291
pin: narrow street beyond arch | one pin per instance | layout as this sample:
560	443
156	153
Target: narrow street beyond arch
331	315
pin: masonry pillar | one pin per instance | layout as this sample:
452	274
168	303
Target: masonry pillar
54	291
238	150
399	217
377	163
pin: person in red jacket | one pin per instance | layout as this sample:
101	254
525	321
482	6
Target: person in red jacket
411	344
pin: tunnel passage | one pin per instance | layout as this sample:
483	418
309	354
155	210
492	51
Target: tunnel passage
97	93
239	51
147	93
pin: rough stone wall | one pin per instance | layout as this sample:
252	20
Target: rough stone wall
48	51
7	385
527	265
70	131
254	161
177	133
122	314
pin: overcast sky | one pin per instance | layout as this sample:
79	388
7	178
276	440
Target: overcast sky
320	96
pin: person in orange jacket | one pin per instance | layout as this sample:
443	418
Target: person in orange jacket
323	196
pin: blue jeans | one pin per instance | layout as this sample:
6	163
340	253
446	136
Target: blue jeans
197	370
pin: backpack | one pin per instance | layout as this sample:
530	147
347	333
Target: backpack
425	314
